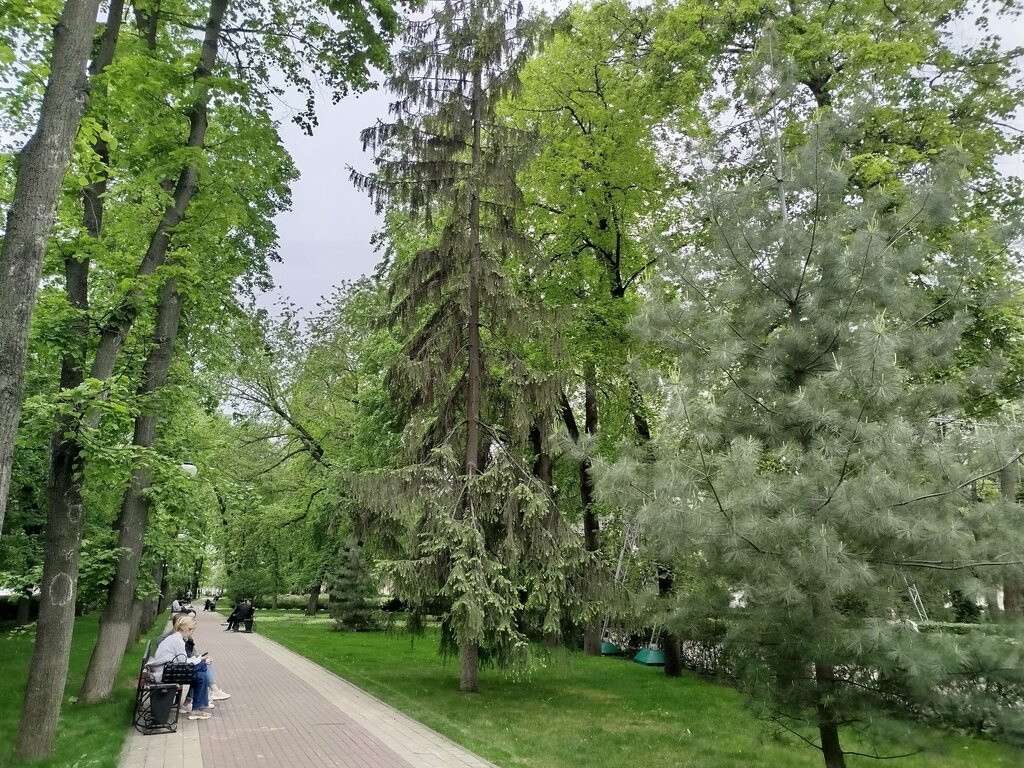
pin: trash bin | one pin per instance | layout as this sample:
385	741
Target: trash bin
161	699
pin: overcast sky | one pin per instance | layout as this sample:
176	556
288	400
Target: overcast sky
325	238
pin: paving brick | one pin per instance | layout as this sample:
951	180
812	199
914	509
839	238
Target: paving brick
286	712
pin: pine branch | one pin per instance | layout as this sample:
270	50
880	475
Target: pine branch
957	488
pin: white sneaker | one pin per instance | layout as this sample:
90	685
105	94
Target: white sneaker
219	696
200	716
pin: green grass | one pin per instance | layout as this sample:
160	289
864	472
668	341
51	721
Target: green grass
89	736
580	711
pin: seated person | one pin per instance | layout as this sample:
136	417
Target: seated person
215	692
172	648
242	614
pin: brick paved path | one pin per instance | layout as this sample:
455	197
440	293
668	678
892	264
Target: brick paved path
286	712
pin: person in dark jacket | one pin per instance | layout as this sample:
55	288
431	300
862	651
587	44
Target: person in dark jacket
241	615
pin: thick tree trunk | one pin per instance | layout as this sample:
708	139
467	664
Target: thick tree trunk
469	668
64	498
828	729
47	675
116	623
670	643
314	597
64	523
42	164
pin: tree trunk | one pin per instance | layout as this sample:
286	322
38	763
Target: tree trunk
64	522
1013	596
828	730
469	667
670	643
591	525
469	652
43	161
116	622
47	675
134	626
24	611
64	498
149	609
314	597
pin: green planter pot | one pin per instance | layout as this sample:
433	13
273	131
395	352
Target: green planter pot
652	657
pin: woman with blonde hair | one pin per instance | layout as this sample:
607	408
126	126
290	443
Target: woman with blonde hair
216	692
172	648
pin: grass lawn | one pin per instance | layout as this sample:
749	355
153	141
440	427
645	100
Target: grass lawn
580	711
89	736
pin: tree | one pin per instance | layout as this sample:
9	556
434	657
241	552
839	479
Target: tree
474	526
43	163
166	176
595	193
353	601
801	456
66	511
342	68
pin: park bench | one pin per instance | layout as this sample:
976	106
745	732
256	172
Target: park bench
156	704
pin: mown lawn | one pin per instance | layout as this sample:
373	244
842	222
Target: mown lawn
89	736
598	713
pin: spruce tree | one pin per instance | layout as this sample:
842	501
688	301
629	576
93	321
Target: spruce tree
474	530
811	453
352	600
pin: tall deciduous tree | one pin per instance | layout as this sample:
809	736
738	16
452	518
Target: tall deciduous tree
594	193
43	163
342	68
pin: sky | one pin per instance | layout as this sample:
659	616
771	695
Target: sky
325	238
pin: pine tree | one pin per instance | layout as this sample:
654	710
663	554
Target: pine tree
809	454
474	528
